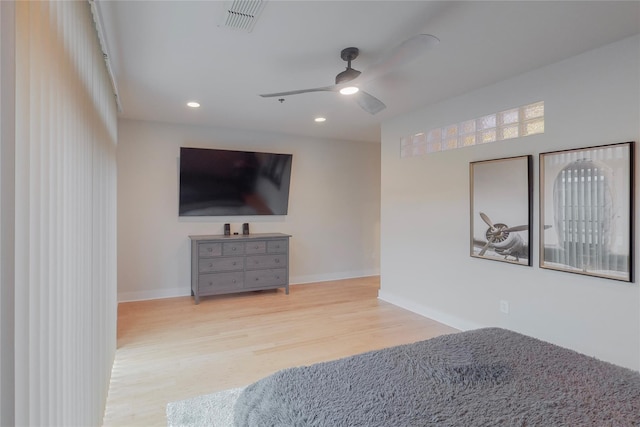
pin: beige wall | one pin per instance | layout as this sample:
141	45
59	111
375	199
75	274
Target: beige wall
591	99
333	206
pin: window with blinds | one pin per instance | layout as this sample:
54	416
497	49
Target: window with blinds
65	217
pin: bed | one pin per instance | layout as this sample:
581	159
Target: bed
483	377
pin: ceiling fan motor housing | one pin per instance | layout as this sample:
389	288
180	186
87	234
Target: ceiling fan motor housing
348	54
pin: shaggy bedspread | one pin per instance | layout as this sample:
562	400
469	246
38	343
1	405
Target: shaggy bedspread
485	377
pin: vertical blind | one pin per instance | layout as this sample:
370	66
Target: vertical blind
65	226
7	211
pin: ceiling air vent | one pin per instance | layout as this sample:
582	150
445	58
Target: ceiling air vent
242	14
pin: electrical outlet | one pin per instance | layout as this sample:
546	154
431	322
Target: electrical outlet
504	306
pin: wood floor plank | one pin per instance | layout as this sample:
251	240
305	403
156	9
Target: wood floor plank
172	349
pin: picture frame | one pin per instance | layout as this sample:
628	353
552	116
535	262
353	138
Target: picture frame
586	211
501	209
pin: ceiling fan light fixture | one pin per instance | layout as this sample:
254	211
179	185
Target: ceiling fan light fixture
349	90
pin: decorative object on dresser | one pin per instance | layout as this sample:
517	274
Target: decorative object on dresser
239	263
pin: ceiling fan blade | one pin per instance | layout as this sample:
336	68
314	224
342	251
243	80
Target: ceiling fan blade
368	102
401	55
296	92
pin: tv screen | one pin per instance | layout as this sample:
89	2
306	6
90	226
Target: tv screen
226	182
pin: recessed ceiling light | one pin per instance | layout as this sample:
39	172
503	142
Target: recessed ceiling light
193	104
349	90
320	119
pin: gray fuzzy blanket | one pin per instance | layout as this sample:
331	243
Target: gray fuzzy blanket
485	377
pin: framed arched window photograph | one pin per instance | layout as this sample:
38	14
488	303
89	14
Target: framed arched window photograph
586	211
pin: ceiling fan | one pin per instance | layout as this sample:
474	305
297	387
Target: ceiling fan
348	81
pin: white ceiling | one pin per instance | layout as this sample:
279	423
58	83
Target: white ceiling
165	53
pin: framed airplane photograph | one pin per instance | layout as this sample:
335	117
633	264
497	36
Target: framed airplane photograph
500	209
586	211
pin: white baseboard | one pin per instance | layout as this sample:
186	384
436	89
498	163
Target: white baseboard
153	294
298	280
438	316
186	291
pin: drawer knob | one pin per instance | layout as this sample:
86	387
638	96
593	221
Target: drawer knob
233	249
257	279
210	249
210	264
277	260
234	263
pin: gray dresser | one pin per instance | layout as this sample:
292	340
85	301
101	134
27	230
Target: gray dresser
238	263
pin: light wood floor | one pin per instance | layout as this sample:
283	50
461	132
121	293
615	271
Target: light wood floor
172	349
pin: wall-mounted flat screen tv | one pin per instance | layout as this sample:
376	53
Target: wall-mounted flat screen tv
225	182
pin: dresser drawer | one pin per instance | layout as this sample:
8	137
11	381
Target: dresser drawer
266	261
209	284
208	265
252	248
209	249
262	278
233	248
277	246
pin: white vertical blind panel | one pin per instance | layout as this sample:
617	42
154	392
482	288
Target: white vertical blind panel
66	303
21	342
36	380
7	213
